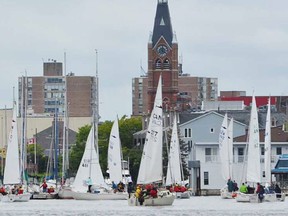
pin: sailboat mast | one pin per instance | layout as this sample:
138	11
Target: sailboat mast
24	126
96	114
95	117
65	152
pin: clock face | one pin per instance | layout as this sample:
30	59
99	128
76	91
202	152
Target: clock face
162	50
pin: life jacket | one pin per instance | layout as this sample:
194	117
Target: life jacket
153	193
20	191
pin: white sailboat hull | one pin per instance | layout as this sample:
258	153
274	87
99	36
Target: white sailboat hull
99	196
225	194
65	192
16	198
274	197
164	198
42	195
241	197
183	195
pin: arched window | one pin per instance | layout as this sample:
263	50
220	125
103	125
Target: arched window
166	64
158	64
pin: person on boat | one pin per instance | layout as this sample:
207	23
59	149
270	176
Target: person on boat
51	189
114	187
260	191
3	190
243	188
139	195
147	190
235	186
230	185
278	191
44	186
130	188
250	189
89	183
153	192
121	186
177	188
183	189
14	189
20	190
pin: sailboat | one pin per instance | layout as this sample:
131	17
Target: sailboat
174	174
12	174
150	170
253	172
89	168
270	197
226	154
114	154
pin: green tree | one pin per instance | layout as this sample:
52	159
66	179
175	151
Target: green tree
41	159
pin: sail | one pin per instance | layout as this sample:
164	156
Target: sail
253	159
174	163
268	144
151	162
230	147
12	165
224	149
114	154
89	167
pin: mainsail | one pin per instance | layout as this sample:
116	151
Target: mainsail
224	149
89	166
268	144
174	163
253	159
12	165
151	162
114	154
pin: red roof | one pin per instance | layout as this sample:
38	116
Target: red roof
260	100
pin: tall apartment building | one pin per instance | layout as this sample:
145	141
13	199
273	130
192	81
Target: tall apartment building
46	94
180	91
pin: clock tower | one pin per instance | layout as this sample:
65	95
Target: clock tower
163	59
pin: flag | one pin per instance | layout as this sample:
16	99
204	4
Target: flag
31	141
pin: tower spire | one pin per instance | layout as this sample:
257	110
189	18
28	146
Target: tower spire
162	24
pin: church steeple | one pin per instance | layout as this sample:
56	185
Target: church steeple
162	24
163	59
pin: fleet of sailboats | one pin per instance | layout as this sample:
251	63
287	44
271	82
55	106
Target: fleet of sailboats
253	170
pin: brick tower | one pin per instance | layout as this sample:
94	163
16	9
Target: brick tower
163	58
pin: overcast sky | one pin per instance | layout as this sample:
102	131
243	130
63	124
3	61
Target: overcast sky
242	43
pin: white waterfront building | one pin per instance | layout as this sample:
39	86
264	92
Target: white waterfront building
201	132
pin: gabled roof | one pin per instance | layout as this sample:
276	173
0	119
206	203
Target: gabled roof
162	24
277	135
187	118
242	116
